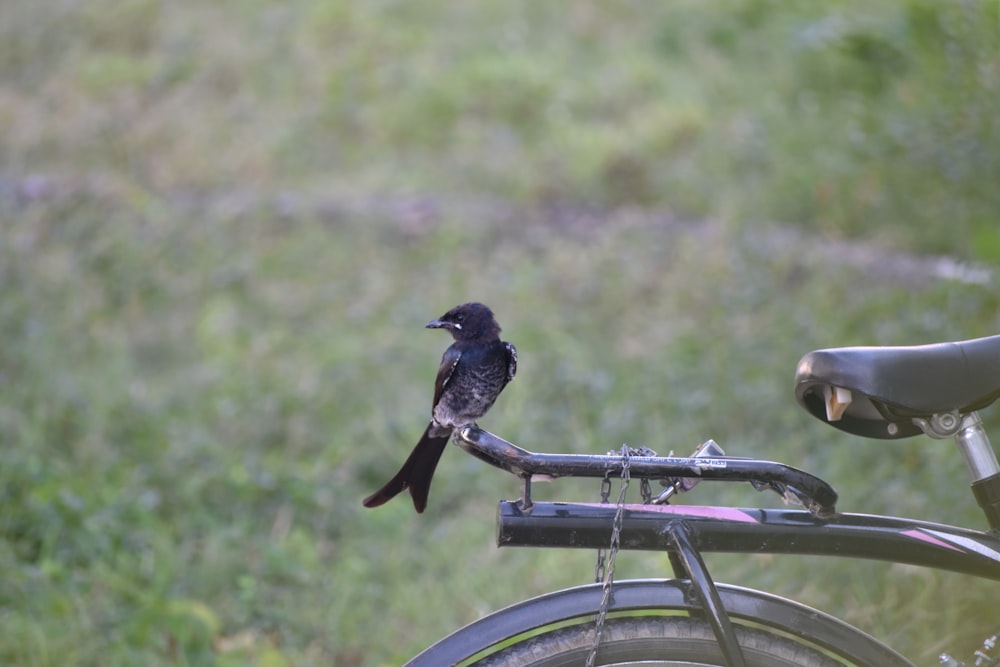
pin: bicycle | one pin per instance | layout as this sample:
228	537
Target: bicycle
689	619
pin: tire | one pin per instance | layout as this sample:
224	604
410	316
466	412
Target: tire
655	641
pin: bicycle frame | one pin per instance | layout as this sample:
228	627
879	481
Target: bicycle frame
687	531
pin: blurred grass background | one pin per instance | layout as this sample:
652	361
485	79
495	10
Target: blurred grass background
224	225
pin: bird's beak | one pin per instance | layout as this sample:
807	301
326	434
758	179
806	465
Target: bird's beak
441	324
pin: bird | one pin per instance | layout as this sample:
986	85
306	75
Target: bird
473	372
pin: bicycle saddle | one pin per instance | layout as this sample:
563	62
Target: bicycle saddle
877	392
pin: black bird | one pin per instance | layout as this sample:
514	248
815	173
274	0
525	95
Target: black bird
473	372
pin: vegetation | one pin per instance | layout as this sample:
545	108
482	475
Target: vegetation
222	226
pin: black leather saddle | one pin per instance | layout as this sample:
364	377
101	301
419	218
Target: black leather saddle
890	386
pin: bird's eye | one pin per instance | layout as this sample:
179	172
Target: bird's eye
460	317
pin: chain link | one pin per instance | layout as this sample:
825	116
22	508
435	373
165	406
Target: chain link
607	572
645	491
599	567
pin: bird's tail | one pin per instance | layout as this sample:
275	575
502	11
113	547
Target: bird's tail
417	471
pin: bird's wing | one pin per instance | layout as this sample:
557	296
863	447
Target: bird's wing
448	362
511	360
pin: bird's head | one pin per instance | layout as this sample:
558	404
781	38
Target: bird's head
470	321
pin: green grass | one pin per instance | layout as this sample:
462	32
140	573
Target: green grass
223	226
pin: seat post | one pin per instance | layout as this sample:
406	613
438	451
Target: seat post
981	460
975	447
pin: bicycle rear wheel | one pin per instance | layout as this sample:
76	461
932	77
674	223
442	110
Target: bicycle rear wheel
669	615
655	641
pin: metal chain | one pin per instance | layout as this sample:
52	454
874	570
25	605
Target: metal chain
645	491
605	499
647	498
608	572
